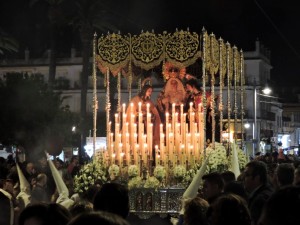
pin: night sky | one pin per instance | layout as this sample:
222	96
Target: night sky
240	22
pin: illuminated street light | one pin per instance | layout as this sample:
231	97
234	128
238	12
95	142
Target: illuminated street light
266	92
247	125
73	128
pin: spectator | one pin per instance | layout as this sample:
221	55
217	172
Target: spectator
43	167
213	186
228	176
114	198
284	174
237	188
98	218
39	193
297	176
195	212
6	208
45	214
30	173
256	184
80	207
282	207
73	167
230	209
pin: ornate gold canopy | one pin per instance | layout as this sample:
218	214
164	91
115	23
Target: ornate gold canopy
117	54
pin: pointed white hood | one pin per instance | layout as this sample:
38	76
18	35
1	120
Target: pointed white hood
235	168
24	187
63	191
192	189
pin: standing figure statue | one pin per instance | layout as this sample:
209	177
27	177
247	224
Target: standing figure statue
195	95
144	97
173	93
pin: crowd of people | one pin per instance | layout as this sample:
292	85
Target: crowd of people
254	197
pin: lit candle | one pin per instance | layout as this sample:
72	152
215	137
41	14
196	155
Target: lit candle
127	150
119	152
171	146
156	155
162	147
148	108
140	107
124	108
173	117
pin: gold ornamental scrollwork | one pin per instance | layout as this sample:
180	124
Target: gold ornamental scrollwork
147	50
113	52
182	47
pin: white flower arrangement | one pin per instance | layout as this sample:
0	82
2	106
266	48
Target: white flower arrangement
135	182
179	172
114	170
160	172
218	158
87	176
133	171
190	175
152	182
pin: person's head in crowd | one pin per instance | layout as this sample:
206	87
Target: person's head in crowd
42	161
41	180
8	185
81	207
74	160
195	211
91	192
282	208
213	186
284	174
98	218
44	214
237	188
255	175
297	176
30	170
58	163
114	198
229	209
228	176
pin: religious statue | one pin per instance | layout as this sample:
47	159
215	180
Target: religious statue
142	101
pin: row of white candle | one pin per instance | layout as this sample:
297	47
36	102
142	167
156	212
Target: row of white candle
180	143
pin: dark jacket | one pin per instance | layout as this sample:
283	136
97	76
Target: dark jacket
257	199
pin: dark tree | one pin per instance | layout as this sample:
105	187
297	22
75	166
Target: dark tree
32	115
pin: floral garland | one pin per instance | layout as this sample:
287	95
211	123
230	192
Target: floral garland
88	175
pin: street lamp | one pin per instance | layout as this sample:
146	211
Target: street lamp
247	125
266	92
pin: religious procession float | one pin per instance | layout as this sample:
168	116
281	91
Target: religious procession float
159	155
